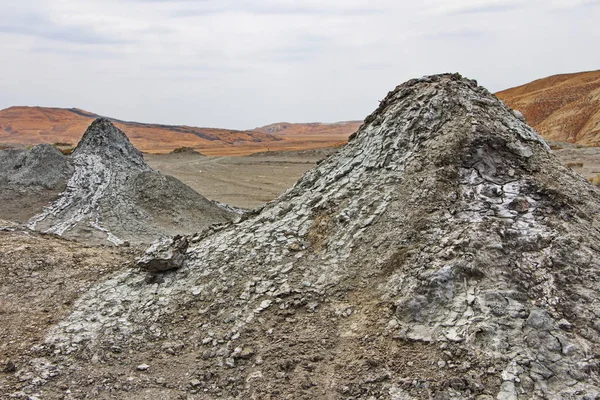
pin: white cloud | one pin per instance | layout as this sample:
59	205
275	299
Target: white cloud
239	64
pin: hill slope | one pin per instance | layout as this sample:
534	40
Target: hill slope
36	125
562	107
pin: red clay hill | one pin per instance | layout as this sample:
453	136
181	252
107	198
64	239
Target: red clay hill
563	108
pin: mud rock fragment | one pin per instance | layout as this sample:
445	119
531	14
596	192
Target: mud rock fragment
10	366
164	255
520	205
31	179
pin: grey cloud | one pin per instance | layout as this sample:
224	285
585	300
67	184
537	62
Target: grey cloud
250	62
459	34
487	8
272	9
78	52
38	26
302	48
304	10
158	30
291	54
195	68
166	1
586	8
374	66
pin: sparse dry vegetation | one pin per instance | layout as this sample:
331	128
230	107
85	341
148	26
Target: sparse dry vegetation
320	231
595	180
184	149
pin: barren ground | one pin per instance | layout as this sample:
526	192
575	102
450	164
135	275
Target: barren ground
560	107
583	160
251	181
246	182
41	277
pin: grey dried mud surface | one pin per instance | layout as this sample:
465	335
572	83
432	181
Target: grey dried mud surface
444	252
31	179
41	278
113	196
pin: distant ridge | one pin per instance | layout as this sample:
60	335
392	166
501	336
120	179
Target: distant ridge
36	125
84	113
562	107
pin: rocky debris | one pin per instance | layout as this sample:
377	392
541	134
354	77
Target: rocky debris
42	276
519	115
10	367
8	226
444	252
164	255
113	196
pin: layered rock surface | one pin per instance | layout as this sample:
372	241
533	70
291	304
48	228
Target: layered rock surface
114	196
444	252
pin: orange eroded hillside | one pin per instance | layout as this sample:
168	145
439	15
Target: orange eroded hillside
562	107
311	135
286	129
34	125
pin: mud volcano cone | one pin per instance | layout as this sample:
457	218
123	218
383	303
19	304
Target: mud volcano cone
104	139
444	252
114	196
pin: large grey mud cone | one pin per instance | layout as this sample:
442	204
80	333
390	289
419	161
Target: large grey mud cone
444	252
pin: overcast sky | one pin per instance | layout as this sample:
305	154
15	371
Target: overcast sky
247	63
